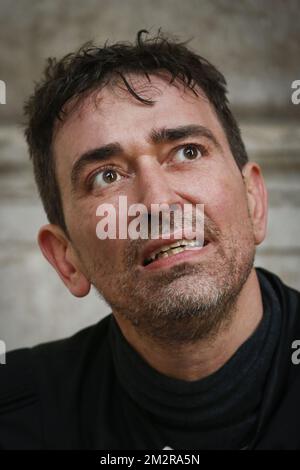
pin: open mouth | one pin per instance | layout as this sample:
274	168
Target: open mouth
173	249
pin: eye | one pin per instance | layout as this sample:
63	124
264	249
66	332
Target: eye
104	178
188	152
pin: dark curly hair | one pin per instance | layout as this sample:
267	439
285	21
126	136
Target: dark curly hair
93	67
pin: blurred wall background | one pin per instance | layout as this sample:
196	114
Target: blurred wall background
256	44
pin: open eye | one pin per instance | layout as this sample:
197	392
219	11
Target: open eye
188	152
105	177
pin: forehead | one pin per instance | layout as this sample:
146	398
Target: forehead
114	115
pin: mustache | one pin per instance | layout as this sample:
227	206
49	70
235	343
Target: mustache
210	231
169	219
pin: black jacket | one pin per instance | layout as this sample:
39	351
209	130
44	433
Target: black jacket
65	394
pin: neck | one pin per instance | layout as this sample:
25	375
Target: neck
195	361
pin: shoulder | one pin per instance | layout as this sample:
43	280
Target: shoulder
19	403
16	378
285	299
67	353
38	384
287	296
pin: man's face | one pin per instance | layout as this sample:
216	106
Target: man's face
184	298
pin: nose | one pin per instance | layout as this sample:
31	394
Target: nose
155	185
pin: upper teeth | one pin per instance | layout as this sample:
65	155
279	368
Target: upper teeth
176	247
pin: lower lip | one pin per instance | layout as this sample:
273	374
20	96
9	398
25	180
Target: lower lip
187	255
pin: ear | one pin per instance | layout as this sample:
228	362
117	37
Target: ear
58	250
257	199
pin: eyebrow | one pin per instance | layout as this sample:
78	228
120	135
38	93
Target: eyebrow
156	136
104	153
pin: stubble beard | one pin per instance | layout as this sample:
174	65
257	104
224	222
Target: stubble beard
186	303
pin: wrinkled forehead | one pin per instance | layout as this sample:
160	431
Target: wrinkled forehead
113	114
135	90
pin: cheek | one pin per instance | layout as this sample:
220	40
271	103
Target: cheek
223	196
229	198
82	222
102	256
230	210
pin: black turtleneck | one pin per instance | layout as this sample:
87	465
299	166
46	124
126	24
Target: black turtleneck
94	391
219	411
